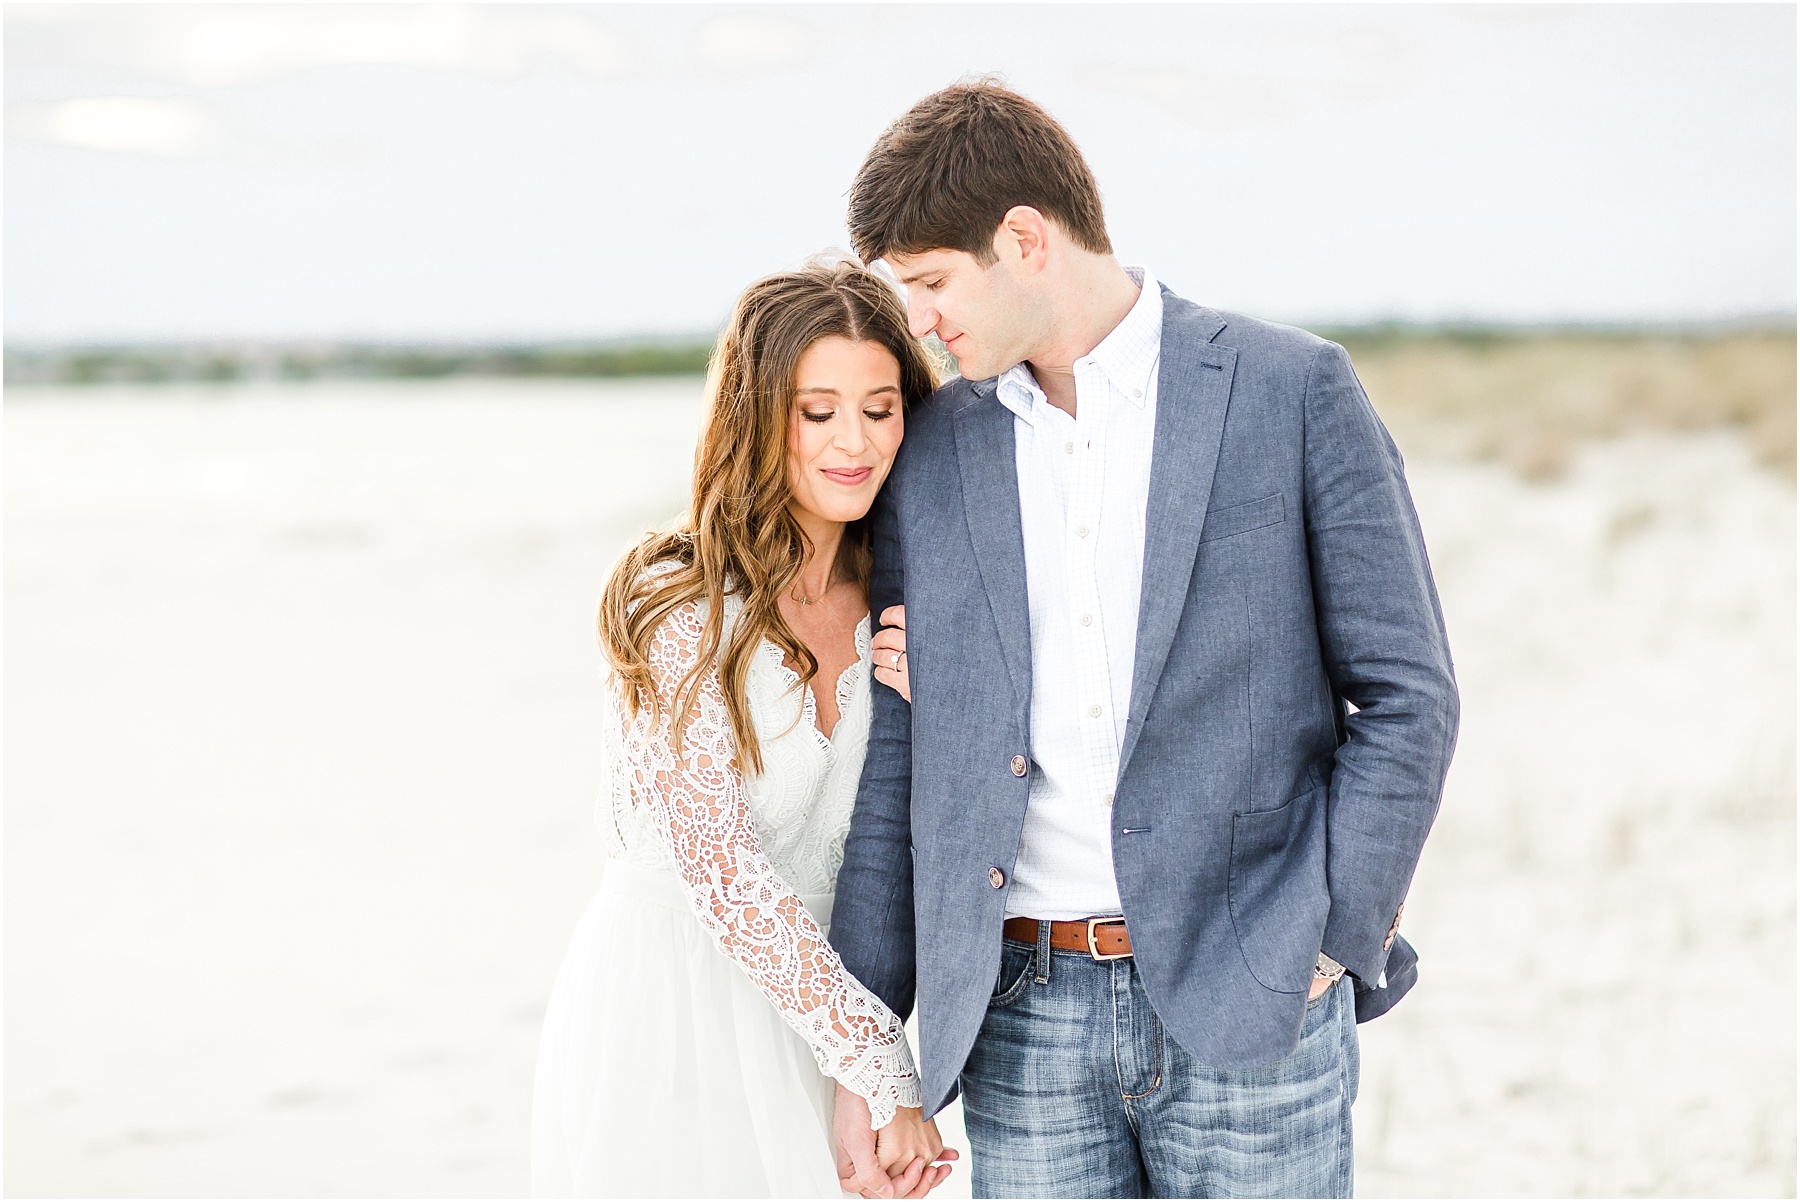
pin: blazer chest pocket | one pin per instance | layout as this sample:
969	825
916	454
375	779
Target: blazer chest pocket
1241	519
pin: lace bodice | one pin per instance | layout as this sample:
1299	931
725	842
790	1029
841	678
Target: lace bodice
747	848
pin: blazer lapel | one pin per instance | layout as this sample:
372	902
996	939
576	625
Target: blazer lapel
990	488
1193	387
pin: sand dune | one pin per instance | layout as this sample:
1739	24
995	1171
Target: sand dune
301	689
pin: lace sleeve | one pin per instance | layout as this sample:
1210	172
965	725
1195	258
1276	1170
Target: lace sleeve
696	797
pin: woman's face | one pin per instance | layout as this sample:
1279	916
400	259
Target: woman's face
845	426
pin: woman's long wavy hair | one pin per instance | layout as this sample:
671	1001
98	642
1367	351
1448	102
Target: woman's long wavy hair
739	535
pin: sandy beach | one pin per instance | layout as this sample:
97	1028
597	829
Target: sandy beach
301	691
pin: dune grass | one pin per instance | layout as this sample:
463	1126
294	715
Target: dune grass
1528	399
1523	397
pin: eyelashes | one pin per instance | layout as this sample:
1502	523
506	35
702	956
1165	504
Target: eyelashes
820	418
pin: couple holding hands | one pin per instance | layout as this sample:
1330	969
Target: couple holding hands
1124	796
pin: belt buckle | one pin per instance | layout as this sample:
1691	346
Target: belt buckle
1093	948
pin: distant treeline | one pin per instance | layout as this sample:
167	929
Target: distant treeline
1393	335
229	362
225	362
1527	396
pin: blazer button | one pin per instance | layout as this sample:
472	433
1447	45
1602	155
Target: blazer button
996	878
1020	768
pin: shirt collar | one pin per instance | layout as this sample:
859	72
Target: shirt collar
1128	355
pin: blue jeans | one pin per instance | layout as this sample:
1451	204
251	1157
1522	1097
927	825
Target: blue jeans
1074	1091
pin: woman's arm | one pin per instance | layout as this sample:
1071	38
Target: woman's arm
696	796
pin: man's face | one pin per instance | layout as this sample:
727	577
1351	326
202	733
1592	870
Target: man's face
984	315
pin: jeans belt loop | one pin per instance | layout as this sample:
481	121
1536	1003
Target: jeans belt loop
1043	952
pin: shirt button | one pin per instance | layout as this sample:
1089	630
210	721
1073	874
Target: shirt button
1087	619
1137	392
1081	532
996	878
1107	800
1093	711
1019	768
1068	448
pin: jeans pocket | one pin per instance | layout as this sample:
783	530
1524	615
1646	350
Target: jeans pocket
1015	966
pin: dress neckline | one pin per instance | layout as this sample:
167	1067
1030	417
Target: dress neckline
845	685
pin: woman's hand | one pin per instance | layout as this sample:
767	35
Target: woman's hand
912	1154
897	1161
888	651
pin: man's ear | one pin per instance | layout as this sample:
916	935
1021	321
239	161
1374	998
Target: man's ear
1023	239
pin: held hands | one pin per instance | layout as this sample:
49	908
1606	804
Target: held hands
911	1144
905	1159
888	651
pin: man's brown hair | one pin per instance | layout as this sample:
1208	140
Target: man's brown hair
943	176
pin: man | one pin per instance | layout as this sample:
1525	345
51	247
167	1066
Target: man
1181	698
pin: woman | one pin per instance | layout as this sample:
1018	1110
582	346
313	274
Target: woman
699	1001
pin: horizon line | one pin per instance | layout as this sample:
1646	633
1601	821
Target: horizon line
1768	321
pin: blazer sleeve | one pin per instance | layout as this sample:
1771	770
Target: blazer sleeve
872	917
1382	635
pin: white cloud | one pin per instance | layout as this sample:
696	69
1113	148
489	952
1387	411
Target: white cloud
1266	73
237	46
40	14
137	124
230	45
1214	101
752	42
1301	162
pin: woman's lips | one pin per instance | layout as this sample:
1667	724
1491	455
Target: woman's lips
850	476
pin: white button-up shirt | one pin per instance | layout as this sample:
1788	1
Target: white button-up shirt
1084	482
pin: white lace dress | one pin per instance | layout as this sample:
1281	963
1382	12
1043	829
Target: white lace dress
700	1015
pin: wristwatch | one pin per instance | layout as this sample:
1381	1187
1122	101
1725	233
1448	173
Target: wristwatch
1327	969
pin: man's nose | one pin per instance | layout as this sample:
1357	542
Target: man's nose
921	318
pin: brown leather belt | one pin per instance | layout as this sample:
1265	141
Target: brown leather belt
1101	938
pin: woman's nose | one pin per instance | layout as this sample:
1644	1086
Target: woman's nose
851	437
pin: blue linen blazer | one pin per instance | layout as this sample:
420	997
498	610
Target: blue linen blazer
1257	818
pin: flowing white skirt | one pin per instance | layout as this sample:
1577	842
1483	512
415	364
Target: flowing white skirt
663	1072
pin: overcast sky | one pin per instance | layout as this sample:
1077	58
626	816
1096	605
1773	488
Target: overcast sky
524	171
